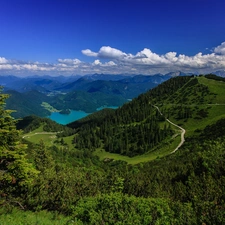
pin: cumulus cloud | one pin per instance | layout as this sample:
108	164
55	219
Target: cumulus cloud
114	61
110	53
69	61
147	61
3	60
220	49
105	52
97	62
88	52
110	63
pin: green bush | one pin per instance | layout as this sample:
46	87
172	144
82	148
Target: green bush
116	208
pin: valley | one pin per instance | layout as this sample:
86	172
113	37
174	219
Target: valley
112	112
159	156
41	95
188	126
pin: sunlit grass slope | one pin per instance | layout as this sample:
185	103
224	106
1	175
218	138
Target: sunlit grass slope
47	137
19	217
206	108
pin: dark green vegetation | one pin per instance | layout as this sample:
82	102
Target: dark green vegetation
28	103
85	101
68	179
30	123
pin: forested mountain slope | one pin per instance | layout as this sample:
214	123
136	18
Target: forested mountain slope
126	87
28	103
138	127
85	101
30	123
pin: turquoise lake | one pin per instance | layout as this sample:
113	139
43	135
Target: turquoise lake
73	116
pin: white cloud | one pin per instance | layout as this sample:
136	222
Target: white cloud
69	61
110	63
96	62
6	67
114	61
111	53
147	61
3	60
88	52
171	56
220	49
105	52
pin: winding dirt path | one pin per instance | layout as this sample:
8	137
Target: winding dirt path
183	131
29	135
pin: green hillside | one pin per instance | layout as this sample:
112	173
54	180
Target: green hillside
26	104
36	129
85	101
138	128
137	132
116	166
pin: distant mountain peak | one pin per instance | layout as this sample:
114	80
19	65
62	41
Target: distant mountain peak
176	74
220	73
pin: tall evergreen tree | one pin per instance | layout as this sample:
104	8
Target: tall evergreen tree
15	170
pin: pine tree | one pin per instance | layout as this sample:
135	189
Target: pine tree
15	170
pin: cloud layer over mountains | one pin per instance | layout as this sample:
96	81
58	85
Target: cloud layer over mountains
114	61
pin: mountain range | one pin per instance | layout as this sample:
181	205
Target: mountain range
40	95
86	93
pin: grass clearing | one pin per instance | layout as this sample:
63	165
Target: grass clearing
160	151
216	87
68	140
19	217
35	138
38	134
48	107
48	137
215	112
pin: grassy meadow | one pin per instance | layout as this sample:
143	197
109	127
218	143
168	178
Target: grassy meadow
20	217
48	137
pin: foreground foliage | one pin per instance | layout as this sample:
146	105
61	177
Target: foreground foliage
117	208
16	172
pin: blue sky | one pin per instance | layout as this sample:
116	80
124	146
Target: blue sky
69	37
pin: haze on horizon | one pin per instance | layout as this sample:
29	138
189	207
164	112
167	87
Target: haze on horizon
81	37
